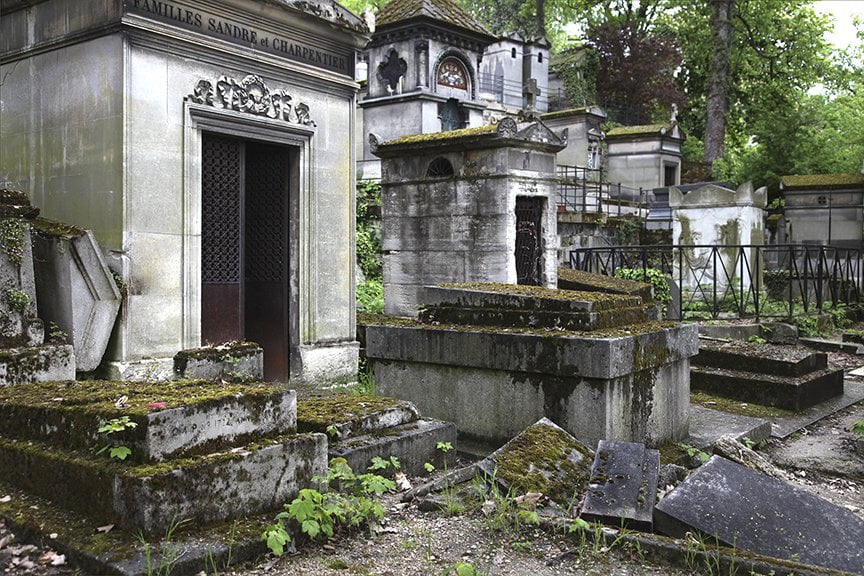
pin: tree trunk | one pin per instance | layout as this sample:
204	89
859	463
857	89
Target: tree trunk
721	58
540	18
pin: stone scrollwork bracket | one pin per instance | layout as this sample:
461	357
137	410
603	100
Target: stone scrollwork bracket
253	96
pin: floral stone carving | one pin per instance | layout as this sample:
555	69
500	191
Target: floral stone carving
251	95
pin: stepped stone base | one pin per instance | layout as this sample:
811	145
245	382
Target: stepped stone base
413	444
788	392
205	489
343	416
37	364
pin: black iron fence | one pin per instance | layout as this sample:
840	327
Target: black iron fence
721	281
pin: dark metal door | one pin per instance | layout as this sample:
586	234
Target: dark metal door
529	212
244	247
222	178
266	266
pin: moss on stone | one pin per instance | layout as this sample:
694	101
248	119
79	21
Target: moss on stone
737	407
315	414
218	353
443	136
541	459
100	396
822	181
537	292
638	130
564	113
587	281
52	228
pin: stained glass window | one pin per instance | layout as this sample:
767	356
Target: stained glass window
451	73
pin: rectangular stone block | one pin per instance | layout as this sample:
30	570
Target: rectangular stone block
525	352
38	364
752	511
623	485
474	296
577	321
413	444
205	489
343	416
792	393
242	361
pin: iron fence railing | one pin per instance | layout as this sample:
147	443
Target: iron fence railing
583	189
716	281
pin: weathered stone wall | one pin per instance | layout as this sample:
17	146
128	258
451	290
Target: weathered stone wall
713	216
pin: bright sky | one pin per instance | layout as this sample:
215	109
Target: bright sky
843	12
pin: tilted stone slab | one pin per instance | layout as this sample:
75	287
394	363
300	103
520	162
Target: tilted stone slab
512	297
55	414
38	364
569	279
751	511
760	358
542	458
539	318
623	485
413	444
76	290
566	354
789	392
205	489
342	416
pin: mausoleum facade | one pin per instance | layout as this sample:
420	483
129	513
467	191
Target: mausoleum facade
208	147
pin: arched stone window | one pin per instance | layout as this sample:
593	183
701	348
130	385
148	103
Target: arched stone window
452	74
439	168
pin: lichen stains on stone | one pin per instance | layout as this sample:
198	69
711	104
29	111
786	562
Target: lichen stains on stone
545	459
536	292
443	136
52	228
601	282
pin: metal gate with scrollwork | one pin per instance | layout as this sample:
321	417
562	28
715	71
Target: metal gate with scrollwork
244	246
529	214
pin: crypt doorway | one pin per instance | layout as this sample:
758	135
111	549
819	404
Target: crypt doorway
245	187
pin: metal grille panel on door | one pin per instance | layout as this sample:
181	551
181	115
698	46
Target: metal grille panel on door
529	212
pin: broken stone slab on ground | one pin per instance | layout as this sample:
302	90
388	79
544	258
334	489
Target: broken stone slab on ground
781	376
75	289
542	458
751	511
623	485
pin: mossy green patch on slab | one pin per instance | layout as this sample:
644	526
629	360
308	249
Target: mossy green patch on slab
103	396
538	292
542	458
315	414
737	407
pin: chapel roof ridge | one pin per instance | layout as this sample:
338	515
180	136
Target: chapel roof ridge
446	11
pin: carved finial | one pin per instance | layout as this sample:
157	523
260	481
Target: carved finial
507	128
374	141
674	118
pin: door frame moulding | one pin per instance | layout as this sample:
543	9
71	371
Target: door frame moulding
199	118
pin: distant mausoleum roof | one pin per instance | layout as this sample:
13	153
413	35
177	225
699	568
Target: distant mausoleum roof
446	11
822	181
644	129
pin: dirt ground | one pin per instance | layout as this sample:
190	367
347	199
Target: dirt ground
411	542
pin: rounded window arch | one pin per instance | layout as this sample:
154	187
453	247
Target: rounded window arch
452	74
439	168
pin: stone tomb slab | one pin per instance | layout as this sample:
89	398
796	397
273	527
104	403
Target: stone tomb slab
413	444
192	416
754	512
542	458
761	358
623	485
342	416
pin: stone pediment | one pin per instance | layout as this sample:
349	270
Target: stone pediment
329	10
712	195
539	132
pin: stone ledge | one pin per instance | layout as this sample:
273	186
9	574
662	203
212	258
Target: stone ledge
343	416
547	353
512	297
757	358
576	321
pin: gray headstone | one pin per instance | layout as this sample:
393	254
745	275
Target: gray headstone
752	511
623	485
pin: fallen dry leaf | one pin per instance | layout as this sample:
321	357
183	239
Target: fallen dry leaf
105	529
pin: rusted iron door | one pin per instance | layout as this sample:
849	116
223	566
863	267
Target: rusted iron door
529	213
244	247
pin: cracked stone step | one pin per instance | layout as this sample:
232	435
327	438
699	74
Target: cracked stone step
343	416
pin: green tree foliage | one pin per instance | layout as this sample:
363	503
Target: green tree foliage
778	53
529	18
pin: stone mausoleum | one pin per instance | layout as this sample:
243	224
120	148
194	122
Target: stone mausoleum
471	205
207	145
